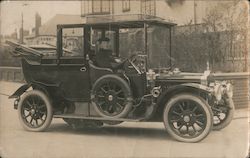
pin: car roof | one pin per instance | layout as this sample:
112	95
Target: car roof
123	24
131	23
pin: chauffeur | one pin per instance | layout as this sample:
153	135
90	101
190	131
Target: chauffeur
104	57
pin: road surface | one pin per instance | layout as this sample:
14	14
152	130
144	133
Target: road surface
125	140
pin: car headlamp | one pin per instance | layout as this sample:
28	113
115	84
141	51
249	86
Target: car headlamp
229	90
222	88
218	90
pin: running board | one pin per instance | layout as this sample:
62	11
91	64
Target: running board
78	116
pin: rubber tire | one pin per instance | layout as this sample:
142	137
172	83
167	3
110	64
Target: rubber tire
229	116
48	106
196	99
125	88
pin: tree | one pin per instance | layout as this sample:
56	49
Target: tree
227	22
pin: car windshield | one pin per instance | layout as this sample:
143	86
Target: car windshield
157	48
154	45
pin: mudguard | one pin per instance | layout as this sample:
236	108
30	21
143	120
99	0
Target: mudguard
24	87
183	87
197	86
20	91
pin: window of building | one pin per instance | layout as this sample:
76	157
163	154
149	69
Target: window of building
101	6
148	7
126	5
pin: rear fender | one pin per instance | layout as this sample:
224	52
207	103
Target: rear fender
20	91
38	85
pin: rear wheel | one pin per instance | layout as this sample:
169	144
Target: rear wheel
35	111
187	118
111	97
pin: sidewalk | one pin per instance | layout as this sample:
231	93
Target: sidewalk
242	113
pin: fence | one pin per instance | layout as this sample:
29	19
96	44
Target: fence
13	74
240	82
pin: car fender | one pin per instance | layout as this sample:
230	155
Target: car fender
24	88
185	87
20	91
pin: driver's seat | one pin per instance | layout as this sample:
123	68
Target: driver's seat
103	59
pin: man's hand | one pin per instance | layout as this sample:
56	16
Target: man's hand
118	60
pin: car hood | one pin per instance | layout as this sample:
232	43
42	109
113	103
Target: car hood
181	76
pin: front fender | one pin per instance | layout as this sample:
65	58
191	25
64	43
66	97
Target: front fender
166	95
20	91
197	86
186	87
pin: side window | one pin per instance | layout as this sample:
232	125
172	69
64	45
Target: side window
72	42
97	35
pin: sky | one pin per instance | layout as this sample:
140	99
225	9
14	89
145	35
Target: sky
11	11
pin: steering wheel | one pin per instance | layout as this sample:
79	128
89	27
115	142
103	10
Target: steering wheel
131	60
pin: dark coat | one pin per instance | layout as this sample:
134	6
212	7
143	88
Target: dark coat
104	58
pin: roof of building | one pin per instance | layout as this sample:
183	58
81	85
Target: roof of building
49	28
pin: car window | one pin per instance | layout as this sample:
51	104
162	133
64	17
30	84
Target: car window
73	42
131	41
96	35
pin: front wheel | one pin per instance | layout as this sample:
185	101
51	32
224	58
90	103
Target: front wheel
187	118
35	111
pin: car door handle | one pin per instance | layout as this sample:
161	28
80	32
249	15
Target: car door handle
83	69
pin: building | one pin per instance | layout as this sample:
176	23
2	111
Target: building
178	11
46	33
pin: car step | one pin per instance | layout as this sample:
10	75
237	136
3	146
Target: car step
79	116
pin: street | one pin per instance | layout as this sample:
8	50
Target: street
124	140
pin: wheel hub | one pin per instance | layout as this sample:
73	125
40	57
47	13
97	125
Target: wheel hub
186	118
110	98
33	111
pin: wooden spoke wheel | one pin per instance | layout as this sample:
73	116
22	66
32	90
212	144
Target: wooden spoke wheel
188	118
35	111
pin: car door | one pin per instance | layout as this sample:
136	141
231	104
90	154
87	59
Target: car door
73	67
74	76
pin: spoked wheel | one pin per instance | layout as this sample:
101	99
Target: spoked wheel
111	97
223	115
188	118
35	111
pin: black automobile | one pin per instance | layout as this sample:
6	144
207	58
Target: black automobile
98	75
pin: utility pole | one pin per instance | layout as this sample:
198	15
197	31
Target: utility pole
21	31
195	18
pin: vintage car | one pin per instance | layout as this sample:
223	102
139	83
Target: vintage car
70	84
